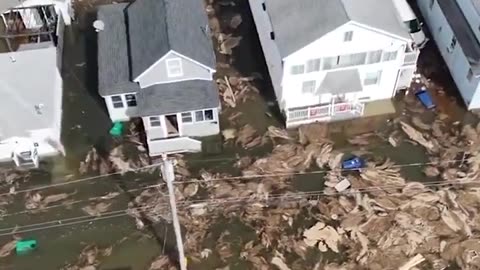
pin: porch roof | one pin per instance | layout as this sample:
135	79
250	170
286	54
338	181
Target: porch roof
341	82
177	97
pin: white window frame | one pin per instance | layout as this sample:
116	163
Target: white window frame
194	116
159	121
117	102
191	117
169	63
313	65
348	36
134	99
309	85
295	67
389	56
371	80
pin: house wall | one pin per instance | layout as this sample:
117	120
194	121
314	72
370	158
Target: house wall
119	114
332	44
455	60
158	72
270	50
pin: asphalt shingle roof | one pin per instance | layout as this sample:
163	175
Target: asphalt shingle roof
113	56
299	23
157	26
177	97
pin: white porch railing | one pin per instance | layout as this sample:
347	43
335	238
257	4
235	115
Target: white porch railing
410	58
329	110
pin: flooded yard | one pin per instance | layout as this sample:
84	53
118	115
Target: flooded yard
248	201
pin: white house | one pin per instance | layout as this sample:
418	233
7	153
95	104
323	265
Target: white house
24	7
154	65
327	59
455	27
31	86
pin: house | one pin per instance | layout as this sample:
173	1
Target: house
156	61
63	7
329	59
454	25
31	85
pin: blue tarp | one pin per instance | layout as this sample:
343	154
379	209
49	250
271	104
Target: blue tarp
425	99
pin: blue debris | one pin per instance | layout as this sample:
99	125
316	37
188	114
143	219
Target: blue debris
353	163
425	98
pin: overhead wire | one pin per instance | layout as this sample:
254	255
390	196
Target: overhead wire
220	201
245	177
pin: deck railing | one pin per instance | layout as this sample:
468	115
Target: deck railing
323	111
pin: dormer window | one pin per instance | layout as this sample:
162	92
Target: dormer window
174	67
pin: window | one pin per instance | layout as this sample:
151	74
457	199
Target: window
470	75
329	62
372	78
431	4
389	56
272	35
347	36
297	69
174	67
131	100
187	117
199	116
204	115
117	102
374	57
308	87
351	59
313	65
208	115
155	121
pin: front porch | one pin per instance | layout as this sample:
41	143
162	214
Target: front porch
338	111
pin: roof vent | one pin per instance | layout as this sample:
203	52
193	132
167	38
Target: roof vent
98	25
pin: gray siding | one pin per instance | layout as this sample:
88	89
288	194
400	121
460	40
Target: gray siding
158	73
201	129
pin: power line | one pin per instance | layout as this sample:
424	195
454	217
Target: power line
237	200
245	177
65	182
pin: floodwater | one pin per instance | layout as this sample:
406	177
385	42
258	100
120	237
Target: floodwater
86	124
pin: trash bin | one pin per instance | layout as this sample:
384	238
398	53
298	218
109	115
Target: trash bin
425	98
25	246
352	163
117	129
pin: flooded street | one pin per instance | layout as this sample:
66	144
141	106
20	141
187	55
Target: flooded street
253	194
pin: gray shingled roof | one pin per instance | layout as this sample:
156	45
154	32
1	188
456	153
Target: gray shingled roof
299	23
113	60
463	32
157	26
341	82
177	97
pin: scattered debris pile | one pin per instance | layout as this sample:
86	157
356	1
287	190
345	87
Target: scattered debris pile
89	258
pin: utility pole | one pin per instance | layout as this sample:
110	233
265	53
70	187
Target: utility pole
169	177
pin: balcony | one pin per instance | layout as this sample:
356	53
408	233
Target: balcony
328	112
410	58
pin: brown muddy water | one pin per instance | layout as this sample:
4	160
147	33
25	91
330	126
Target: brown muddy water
86	124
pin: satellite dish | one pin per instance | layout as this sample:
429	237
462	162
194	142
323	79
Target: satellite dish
98	25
